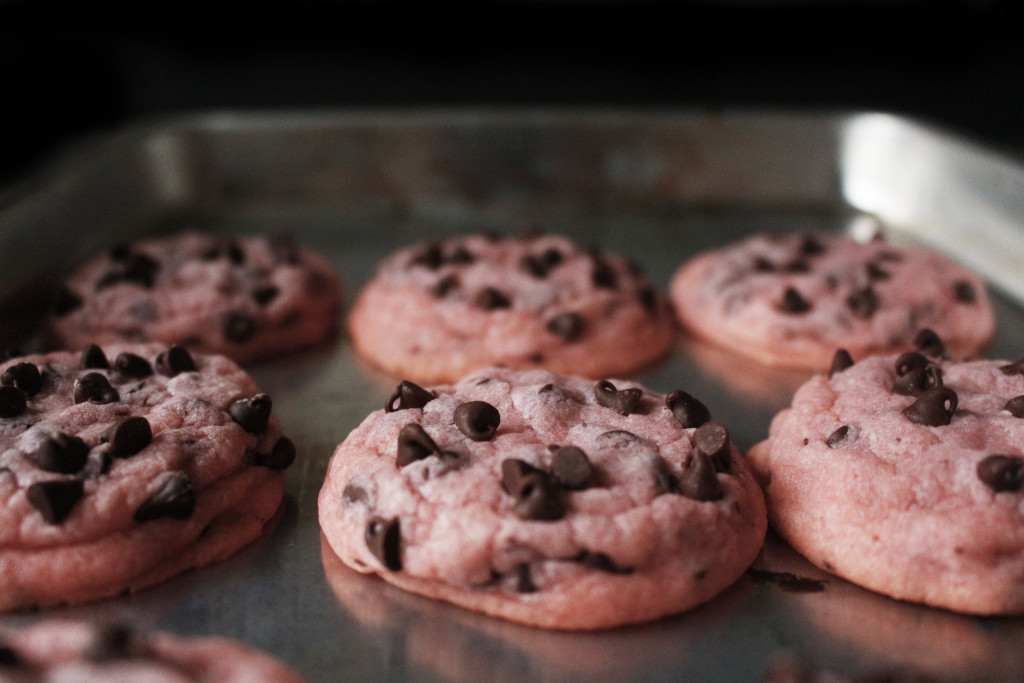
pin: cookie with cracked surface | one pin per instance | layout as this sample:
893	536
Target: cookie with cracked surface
247	297
434	312
904	474
67	650
549	500
793	299
125	465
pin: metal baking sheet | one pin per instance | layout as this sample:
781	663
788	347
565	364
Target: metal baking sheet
658	186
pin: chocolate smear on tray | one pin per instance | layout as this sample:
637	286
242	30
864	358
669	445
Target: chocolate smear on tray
788	581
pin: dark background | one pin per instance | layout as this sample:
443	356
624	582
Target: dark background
70	71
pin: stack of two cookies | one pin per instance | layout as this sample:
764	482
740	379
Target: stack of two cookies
140	448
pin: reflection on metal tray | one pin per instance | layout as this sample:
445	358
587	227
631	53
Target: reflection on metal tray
656	186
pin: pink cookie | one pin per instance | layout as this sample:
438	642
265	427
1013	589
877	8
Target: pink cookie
122	467
547	500
61	650
903	474
436	311
792	300
248	298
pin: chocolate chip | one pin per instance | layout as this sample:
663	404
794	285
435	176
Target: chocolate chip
1016	406
533	265
513	471
65	301
712	439
12	401
842	360
238	327
793	302
445	286
572	467
1002	472
622	401
383	539
537	497
94	358
566	325
1016	368
688	411
863	303
429	257
354	493
132	366
55	499
763	265
648	298
128	436
264	295
24	376
95	388
253	412
175	361
604	275
460	256
601	562
174	499
523	578
408	395
552	257
280	457
929	343
140	269
490	299
837	437
797	266
911	360
918	380
933	408
414	444
478	420
698	480
61	453
877	272
114	641
285	249
9	658
811	246
964	292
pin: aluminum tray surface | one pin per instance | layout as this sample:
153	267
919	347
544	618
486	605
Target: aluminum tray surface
656	186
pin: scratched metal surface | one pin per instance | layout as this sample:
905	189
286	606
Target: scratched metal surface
656	186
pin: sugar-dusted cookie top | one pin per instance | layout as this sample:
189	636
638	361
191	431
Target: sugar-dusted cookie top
435	311
549	500
904	473
79	651
124	465
794	299
247	297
